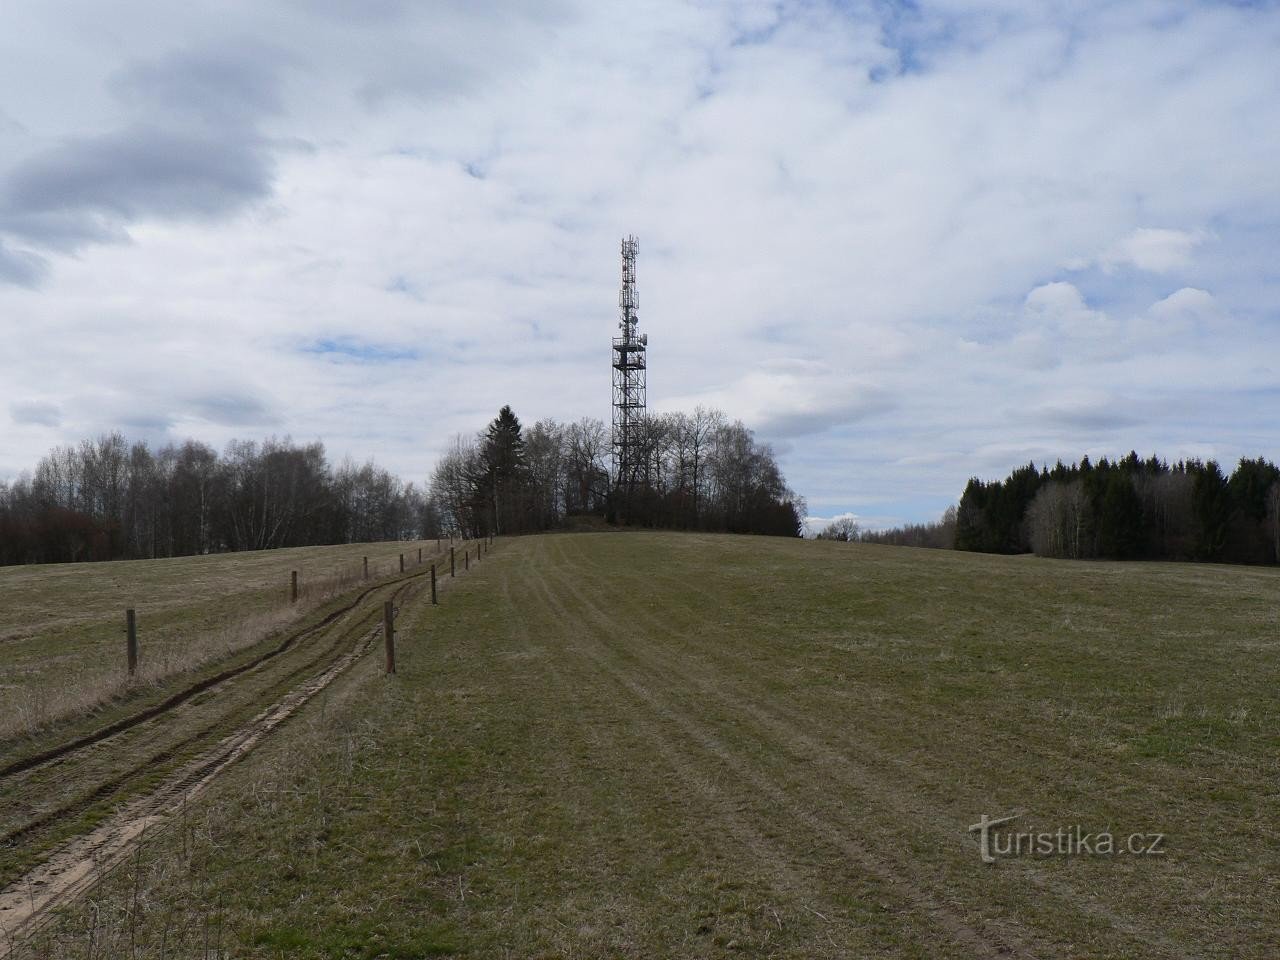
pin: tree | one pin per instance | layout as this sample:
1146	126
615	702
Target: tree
544	458
1120	523
1247	539
452	489
1057	520
1211	504
587	476
1273	520
843	529
502	478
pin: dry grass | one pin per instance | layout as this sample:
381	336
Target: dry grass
687	746
62	626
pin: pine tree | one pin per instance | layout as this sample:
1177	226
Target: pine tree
1121	531
1212	506
504	472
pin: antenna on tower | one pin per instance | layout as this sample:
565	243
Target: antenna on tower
630	462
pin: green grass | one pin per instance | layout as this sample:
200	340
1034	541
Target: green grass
62	644
643	745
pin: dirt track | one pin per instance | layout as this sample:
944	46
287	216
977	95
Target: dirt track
134	773
657	745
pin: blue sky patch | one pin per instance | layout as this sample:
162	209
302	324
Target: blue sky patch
351	349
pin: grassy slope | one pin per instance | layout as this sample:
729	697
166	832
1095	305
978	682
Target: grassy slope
661	745
62	625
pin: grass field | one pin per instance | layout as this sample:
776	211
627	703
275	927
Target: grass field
652	745
62	625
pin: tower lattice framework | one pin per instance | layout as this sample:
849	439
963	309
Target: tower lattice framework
630	463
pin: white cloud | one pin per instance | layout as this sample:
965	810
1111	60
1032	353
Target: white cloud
1061	305
1188	305
1153	250
815	525
852	225
789	398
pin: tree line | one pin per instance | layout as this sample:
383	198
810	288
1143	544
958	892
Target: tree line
109	499
112	499
1128	508
937	534
703	472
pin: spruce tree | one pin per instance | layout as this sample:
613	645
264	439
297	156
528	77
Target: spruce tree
503	480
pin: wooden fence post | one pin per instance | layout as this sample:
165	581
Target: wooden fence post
366	568
131	640
389	632
453	572
466	560
433	583
293	587
402	563
419	554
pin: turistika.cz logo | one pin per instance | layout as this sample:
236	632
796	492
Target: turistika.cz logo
1072	841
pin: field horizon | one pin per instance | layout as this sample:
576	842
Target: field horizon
675	744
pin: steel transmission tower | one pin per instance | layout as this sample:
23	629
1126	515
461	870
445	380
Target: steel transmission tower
630	463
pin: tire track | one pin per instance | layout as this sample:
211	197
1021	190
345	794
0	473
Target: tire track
46	821
706	787
107	788
182	696
74	866
854	774
898	882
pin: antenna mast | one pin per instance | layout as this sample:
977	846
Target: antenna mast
630	463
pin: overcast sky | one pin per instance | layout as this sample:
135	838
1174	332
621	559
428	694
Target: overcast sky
905	242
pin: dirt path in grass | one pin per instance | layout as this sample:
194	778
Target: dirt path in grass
75	866
193	739
658	759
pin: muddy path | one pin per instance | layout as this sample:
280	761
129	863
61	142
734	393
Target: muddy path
71	812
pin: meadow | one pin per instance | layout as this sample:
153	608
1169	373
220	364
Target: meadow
649	744
62	640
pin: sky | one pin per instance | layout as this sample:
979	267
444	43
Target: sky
906	243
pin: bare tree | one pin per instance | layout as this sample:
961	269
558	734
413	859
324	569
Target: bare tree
1057	521
843	529
586	463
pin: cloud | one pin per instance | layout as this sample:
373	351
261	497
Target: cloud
1058	324
1062	305
87	190
361	11
231	85
38	412
853	218
789	398
231	409
1094	414
189	149
1186	308
20	267
1153	250
145	425
815	525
